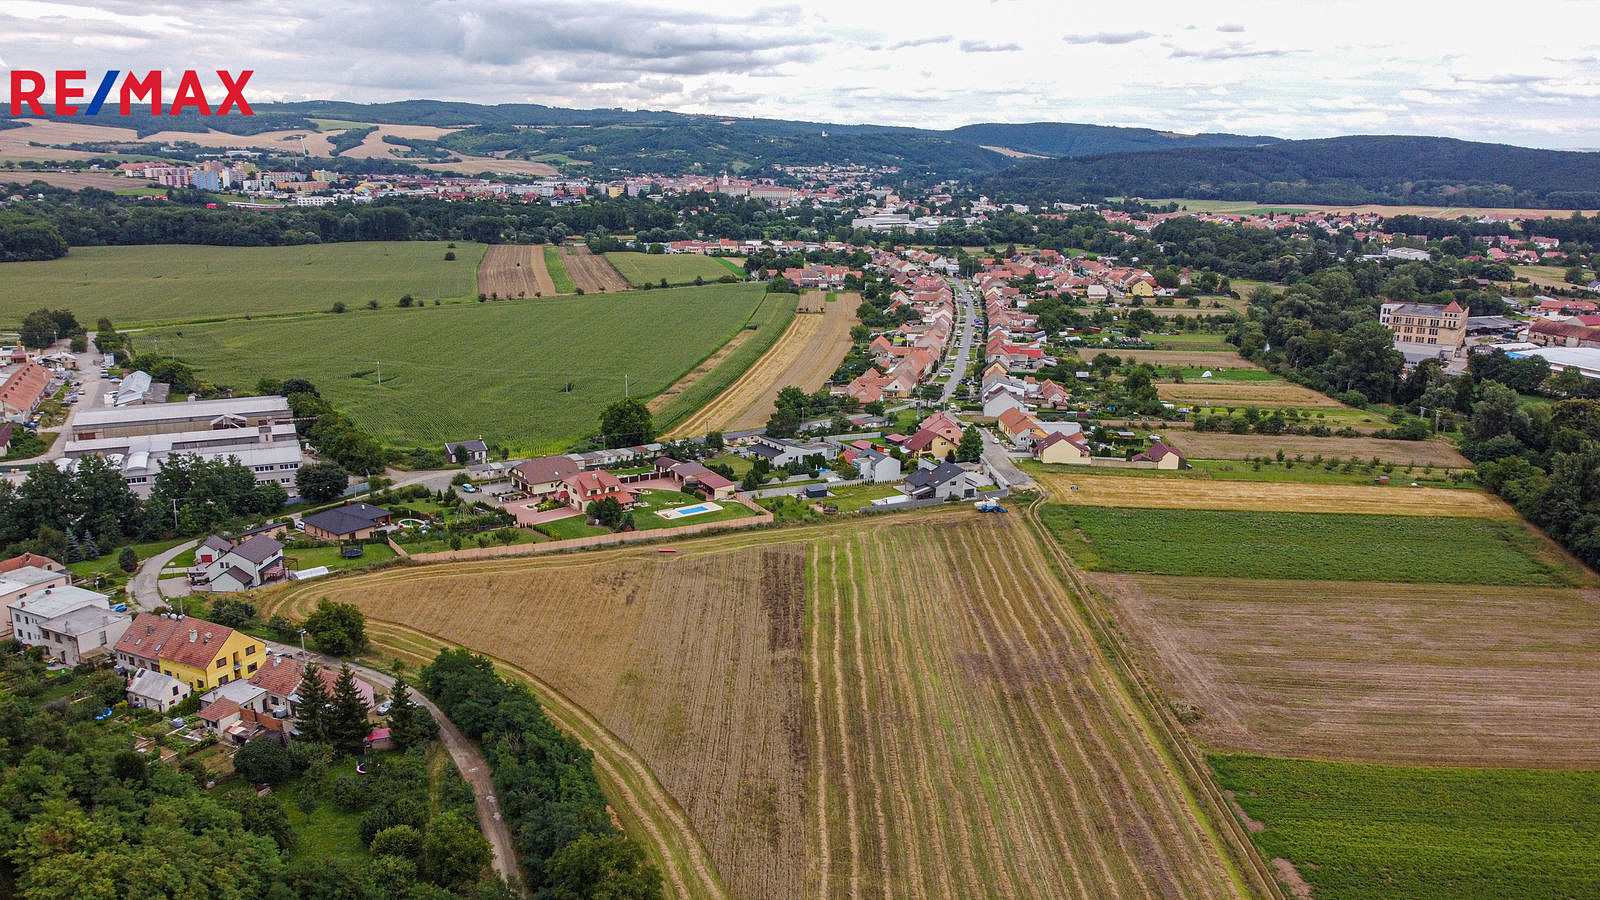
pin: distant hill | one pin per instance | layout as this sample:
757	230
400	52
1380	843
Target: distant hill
1060	139
1346	170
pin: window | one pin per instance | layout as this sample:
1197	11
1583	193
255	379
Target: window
250	650
250	668
102	638
221	662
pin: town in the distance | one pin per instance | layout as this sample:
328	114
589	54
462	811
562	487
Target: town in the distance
525	505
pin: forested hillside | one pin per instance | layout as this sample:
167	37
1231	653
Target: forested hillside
1363	169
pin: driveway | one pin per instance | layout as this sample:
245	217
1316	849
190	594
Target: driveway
994	453
144	590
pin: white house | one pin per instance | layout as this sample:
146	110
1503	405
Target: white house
70	623
223	566
19	583
877	467
149	689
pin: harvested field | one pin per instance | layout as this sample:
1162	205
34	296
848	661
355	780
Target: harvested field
591	273
374	146
1219	445
812	302
967	740
75	181
1209	359
1187	493
15	142
693	663
1223	394
1399	673
514	270
807	354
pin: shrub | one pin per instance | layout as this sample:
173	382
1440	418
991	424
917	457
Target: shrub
350	793
263	761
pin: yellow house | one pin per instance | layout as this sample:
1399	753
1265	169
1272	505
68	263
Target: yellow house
201	654
1140	288
1059	448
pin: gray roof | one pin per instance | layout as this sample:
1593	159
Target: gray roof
346	519
241	406
259	549
935	476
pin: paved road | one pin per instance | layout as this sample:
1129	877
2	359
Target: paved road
474	768
994	453
963	293
145	588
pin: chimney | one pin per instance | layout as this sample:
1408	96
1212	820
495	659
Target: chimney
149	629
208	638
193	635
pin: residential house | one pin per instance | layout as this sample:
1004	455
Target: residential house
580	489
1163	456
28	560
875	466
73	625
1063	448
225	566
350	522
199	653
694	475
1001	396
281	677
541	477
945	481
19	583
7	431
937	437
148	689
1019	427
780	452
22	392
467	453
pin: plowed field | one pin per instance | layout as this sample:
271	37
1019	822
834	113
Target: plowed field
515	270
807	354
590	272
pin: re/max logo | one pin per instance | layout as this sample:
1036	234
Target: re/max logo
27	86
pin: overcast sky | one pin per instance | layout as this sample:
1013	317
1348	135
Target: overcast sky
1528	74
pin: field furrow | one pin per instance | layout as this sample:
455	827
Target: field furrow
514	271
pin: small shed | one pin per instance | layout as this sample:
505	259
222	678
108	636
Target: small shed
378	739
816	491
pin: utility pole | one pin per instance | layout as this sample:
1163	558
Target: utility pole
380	373
174	512
624	385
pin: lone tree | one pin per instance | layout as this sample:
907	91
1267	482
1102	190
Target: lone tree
971	447
263	761
338	628
127	560
321	482
626	423
347	721
315	704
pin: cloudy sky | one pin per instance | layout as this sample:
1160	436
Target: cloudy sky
1528	75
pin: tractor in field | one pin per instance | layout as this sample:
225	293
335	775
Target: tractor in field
988	506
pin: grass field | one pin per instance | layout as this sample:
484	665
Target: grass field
558	270
1438	212
1249	544
150	284
1381	831
809	351
677	268
812	717
1413	674
1072	488
719	370
1206	359
645	518
496	369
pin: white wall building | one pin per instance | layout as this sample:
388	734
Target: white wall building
70	623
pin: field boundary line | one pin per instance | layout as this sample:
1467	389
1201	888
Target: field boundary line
1242	861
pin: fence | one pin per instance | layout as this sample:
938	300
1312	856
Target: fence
762	518
796	490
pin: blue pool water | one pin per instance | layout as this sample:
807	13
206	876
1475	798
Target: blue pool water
691	510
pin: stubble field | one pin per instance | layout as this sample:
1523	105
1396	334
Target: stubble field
1281	496
1210	393
590	272
515	270
1221	445
808	353
825	720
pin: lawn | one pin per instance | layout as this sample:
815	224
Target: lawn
1193	373
179	283
1239	470
1191	340
532	375
1390	831
558	270
109	560
1331	546
571	527
677	268
329	556
850	499
645	519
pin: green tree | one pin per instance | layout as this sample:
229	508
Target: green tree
315	706
398	840
266	816
339	629
626	423
1574	275
263	761
127	560
409	724
606	512
971	447
38	329
454	853
231	612
347	721
789	413
609	866
321	482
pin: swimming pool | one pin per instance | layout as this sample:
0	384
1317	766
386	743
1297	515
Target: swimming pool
684	511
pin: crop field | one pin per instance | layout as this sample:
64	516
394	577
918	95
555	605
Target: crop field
515	270
590	272
808	353
15	143
677	268
1213	393
1192	493
558	270
1220	445
177	283
77	181
713	375
1356	831
1293	545
513	370
1380	672
1206	359
811	717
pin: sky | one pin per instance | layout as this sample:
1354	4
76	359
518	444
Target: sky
1288	68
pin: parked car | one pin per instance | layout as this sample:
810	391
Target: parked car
384	707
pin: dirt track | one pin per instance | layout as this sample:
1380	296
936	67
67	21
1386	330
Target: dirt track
515	270
1194	493
590	272
1396	673
805	356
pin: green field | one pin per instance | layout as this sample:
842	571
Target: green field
176	283
500	370
771	318
558	271
1231	376
1390	831
677	268
1323	546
